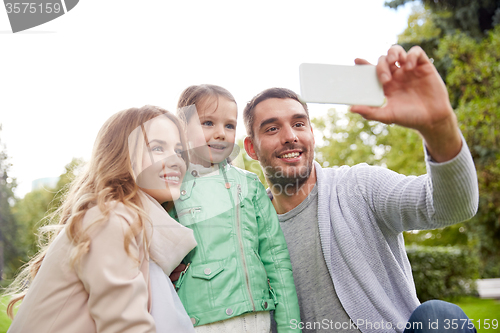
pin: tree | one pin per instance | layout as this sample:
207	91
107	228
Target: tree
35	209
473	17
348	139
249	164
474	84
30	212
432	20
9	253
463	38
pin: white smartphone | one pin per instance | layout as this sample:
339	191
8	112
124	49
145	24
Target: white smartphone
336	84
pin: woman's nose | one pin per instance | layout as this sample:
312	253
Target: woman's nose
173	161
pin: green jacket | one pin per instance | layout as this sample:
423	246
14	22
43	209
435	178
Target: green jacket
241	263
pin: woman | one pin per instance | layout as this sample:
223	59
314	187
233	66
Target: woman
94	276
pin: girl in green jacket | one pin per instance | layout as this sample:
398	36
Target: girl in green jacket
241	268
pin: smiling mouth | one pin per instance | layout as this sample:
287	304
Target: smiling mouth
290	155
174	179
218	147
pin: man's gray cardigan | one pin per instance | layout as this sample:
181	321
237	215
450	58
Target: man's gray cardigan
362	212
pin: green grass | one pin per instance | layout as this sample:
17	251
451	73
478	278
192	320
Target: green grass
4	319
476	309
479	310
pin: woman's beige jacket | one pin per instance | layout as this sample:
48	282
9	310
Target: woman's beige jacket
111	292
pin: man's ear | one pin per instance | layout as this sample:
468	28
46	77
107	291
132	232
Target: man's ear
314	141
249	147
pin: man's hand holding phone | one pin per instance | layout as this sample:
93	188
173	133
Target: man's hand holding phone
416	97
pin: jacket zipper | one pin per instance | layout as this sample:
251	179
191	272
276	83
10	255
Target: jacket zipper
238	223
238	226
271	290
181	277
191	211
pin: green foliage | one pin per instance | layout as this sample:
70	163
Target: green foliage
29	213
473	75
251	165
423	30
457	234
34	210
474	86
9	253
443	272
474	17
421	27
5	321
432	20
70	171
405	152
463	38
347	139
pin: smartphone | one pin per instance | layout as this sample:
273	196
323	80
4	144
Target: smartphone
336	84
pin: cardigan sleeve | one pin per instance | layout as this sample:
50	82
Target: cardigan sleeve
276	260
446	195
118	291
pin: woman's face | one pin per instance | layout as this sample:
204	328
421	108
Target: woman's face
162	165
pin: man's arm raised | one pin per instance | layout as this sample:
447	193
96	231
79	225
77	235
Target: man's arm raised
416	98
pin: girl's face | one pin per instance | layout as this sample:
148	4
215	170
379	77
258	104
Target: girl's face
215	142
162	165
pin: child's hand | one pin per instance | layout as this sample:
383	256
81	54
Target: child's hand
174	276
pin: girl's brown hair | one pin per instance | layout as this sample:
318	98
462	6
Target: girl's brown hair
200	96
108	176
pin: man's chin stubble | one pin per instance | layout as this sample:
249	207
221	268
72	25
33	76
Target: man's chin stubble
288	184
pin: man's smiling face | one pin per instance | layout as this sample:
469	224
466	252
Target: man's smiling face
283	141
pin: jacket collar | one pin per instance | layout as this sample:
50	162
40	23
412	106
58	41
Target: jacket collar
197	170
169	240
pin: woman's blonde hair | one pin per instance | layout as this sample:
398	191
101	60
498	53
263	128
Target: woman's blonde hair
109	176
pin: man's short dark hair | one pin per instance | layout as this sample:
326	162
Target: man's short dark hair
249	112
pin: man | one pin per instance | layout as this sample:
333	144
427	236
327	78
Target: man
344	226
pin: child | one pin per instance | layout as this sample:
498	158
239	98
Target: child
95	274
241	268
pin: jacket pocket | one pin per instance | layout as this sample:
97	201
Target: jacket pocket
207	271
259	259
189	216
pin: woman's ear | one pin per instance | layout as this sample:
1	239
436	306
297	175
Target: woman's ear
249	147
